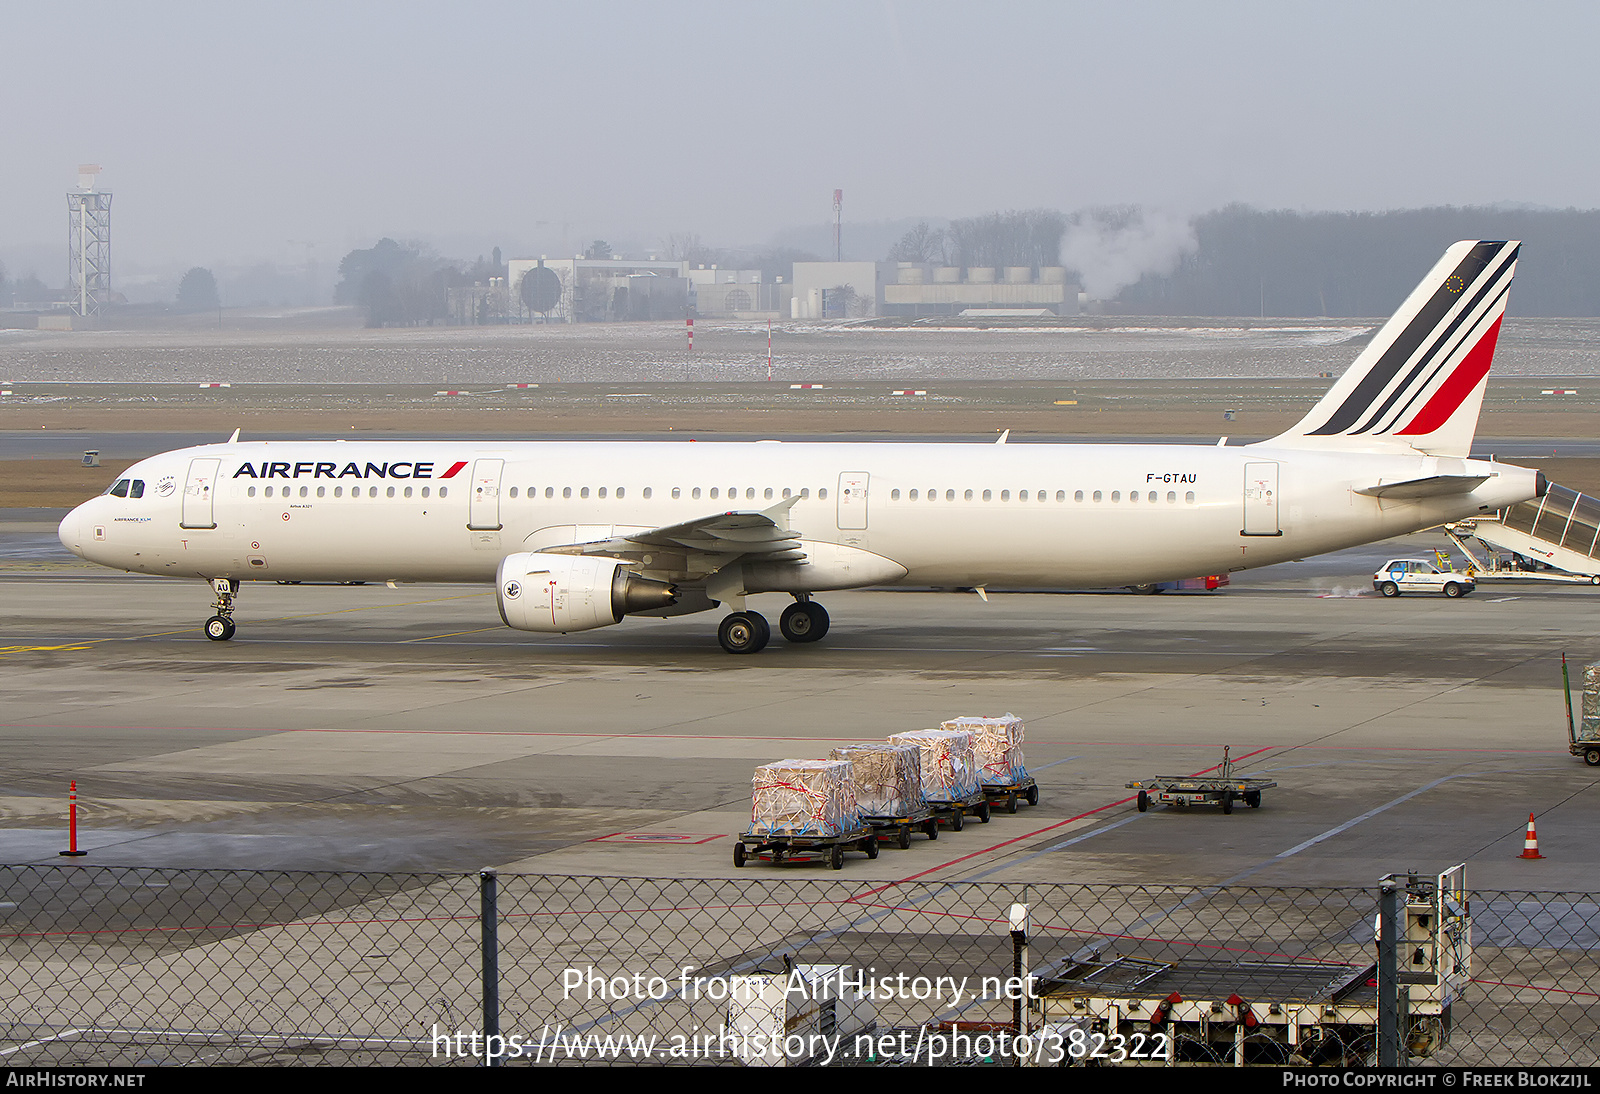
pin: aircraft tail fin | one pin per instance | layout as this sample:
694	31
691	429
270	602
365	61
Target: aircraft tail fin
1418	386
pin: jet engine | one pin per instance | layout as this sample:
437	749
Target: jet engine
555	594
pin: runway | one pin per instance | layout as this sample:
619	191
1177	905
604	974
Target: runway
376	728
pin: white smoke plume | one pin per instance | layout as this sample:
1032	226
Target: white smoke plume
1111	247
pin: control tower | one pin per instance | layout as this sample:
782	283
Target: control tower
89	242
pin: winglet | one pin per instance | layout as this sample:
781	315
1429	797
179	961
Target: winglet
235	438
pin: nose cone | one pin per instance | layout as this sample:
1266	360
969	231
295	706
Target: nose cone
74	530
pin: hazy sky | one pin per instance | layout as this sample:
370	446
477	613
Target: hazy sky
230	132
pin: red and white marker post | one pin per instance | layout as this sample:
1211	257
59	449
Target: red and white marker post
72	824
690	322
769	351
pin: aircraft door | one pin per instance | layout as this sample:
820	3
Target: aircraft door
1261	499
483	514
198	491
852	499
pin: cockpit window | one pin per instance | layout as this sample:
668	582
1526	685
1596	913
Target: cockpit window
137	489
119	489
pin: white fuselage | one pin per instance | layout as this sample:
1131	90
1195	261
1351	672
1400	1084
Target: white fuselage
1007	516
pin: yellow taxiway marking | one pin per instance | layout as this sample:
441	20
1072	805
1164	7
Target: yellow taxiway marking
37	649
453	634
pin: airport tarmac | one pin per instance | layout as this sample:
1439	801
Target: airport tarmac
373	728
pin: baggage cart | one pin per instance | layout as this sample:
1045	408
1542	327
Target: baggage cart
782	847
1006	795
896	830
1222	787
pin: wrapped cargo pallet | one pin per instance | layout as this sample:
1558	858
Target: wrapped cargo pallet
996	747
888	777
948	771
803	797
1589	727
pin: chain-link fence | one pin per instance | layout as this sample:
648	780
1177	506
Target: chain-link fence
126	967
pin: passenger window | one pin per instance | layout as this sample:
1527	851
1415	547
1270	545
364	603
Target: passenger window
894	495
408	491
583	492
268	491
513	491
950	495
602	492
695	493
566	491
338	491
911	496
444	491
1116	495
619	492
1076	496
390	491
968	495
250	493
1189	497
823	494
1133	496
549	491
713	493
987	495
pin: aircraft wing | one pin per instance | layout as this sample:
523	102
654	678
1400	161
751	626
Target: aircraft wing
695	548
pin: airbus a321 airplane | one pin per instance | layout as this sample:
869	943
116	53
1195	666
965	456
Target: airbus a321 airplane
577	535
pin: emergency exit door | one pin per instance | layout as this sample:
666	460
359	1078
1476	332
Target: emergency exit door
852	500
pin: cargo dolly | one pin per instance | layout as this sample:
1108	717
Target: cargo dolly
1222	788
896	829
792	845
1585	740
1005	795
955	811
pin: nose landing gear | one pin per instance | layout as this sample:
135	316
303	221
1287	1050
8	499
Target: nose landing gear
220	628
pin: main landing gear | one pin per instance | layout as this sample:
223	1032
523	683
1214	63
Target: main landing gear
220	628
748	632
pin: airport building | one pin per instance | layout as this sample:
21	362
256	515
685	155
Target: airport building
591	290
738	294
917	290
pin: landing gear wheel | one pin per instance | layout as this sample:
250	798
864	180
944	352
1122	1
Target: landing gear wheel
836	859
1227	801
905	837
1389	588
1252	798
219	628
738	855
1144	802
1592	757
1453	590
1033	795
744	632
803	621
932	829
872	846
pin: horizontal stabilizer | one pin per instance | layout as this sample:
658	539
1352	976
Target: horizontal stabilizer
1431	487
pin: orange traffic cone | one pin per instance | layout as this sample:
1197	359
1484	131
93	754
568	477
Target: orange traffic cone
1530	842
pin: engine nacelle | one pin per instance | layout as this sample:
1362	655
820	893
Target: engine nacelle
555	594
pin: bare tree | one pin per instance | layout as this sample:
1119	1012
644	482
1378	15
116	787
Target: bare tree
923	244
